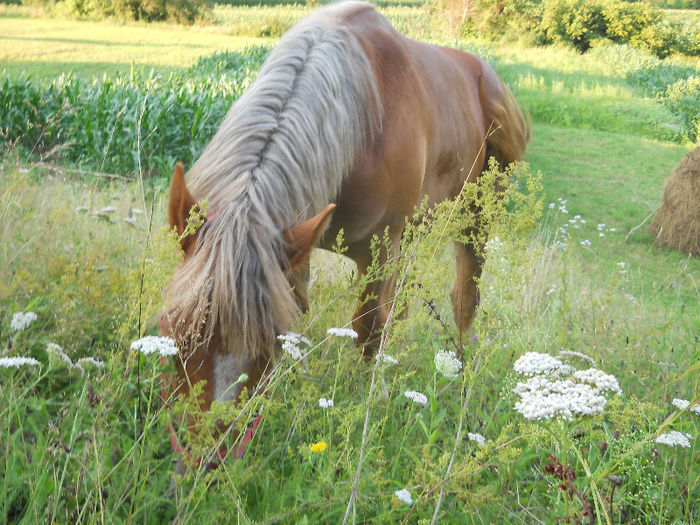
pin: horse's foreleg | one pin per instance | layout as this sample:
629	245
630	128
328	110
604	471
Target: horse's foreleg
465	294
376	299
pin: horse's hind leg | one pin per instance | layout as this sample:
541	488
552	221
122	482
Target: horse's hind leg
465	294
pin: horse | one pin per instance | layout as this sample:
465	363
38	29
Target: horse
349	125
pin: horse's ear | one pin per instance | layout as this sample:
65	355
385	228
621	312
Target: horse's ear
302	238
180	201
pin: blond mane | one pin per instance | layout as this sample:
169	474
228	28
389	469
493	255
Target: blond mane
279	157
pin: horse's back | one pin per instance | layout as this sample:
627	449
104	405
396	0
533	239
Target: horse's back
432	125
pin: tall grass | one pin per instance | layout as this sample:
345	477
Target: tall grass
94	447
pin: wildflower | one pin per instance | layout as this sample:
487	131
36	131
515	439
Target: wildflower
447	363
291	342
22	320
585	242
674	438
494	244
404	496
56	351
105	210
7	362
89	362
388	360
682	404
544	399
416	397
478	438
319	447
133	222
598	378
150	344
532	363
577	354
551	205
325	403
343	332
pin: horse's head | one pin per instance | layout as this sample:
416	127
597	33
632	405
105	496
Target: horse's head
225	322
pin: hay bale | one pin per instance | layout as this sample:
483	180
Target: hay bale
677	223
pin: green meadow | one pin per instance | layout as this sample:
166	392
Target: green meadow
93	116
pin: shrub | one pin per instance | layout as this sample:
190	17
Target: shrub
578	23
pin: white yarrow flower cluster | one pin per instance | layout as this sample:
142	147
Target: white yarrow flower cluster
533	363
600	379
343	332
477	438
541	398
682	404
55	350
404	496
572	353
388	360
16	362
152	344
291	344
674	438
22	320
416	397
325	403
81	364
447	363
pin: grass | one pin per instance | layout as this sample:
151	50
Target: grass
95	447
46	48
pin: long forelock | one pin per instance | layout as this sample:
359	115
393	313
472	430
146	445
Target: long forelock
279	156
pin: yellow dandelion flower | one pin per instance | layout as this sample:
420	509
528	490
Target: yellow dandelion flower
319	447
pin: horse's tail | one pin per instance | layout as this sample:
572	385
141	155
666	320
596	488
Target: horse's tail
508	130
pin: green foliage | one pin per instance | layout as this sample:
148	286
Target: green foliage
141	123
675	85
178	11
579	23
95	445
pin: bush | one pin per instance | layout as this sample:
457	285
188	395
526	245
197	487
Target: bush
579	23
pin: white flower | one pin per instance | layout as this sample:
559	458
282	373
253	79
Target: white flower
22	320
343	332
532	363
151	344
541	398
598	378
585	242
133	222
577	354
55	350
7	362
682	404
105	210
447	363
416	397
87	362
674	438
388	360
404	496
478	438
291	342
493	245
325	403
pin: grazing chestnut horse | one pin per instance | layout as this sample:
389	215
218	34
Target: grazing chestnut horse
348	125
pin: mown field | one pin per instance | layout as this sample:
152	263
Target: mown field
83	183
